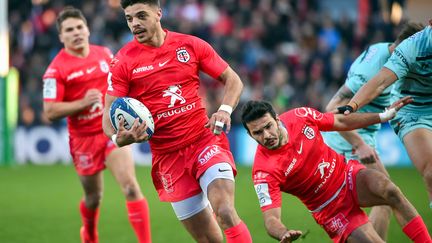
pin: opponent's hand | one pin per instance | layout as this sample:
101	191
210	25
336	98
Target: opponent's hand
290	235
217	122
366	154
401	103
390	112
136	134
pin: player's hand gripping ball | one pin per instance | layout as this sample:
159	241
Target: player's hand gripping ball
129	109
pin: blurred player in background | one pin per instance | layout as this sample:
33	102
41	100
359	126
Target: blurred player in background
74	87
410	66
292	157
192	164
361	144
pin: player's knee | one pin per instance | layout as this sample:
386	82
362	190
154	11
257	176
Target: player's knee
225	214
393	194
211	237
131	191
427	174
93	200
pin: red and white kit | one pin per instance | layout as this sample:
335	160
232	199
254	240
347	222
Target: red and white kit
166	80
310	170
68	78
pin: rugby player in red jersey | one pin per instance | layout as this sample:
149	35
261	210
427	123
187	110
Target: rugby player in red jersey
74	85
192	166
292	157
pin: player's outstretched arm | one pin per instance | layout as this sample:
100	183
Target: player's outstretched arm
369	91
359	120
232	91
276	229
365	153
56	110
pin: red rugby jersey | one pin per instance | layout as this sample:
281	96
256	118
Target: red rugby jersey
305	167
68	78
166	80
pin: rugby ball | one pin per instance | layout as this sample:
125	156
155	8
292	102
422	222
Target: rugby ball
129	109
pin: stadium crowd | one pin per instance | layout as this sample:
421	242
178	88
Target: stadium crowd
292	53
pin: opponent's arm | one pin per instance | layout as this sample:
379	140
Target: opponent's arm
232	91
55	110
276	229
366	153
359	120
370	90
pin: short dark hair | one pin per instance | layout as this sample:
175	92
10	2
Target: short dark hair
69	12
255	109
127	3
408	30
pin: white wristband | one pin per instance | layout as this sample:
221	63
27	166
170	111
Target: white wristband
114	139
387	114
226	108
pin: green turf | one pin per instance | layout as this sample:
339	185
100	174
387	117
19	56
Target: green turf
39	204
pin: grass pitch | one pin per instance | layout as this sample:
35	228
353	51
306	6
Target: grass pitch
39	204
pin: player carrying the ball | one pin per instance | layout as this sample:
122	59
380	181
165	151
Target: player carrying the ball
192	166
74	86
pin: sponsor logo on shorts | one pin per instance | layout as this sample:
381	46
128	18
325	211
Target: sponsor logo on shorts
84	160
350	178
208	153
166	180
337	224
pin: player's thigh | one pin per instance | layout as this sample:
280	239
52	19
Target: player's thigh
372	186
120	162
197	217
364	234
203	226
418	144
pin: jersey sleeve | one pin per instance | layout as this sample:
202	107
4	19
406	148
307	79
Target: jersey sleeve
268	190
210	62
53	85
118	84
403	56
108	52
324	121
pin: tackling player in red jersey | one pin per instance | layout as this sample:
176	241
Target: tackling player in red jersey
192	165
74	84
292	157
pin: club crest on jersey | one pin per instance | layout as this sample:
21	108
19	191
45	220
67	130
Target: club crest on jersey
183	55
103	65
308	132
175	93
